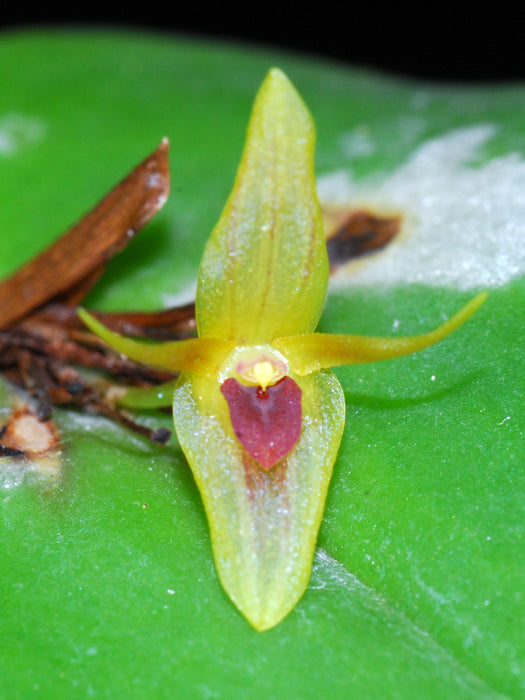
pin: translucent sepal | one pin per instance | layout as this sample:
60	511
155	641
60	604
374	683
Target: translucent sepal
263	524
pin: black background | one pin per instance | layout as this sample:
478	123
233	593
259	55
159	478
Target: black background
437	43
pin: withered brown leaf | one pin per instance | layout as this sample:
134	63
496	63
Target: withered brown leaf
41	339
78	257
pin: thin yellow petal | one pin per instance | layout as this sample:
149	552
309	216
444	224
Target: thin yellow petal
201	355
265	270
263	524
313	351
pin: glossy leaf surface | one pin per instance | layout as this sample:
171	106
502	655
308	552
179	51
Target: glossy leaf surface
107	580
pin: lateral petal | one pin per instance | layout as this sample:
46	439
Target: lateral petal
264	271
263	524
313	351
201	355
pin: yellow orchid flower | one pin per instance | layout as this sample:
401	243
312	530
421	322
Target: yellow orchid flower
257	412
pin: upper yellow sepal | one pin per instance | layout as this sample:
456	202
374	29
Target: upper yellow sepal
264	272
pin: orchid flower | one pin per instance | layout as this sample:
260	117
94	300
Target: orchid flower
257	411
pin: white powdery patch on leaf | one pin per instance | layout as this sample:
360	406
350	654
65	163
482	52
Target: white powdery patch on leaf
18	131
182	297
463	223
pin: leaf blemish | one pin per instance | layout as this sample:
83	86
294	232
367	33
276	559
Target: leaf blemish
28	445
355	233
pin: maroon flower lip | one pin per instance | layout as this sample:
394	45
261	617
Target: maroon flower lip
267	423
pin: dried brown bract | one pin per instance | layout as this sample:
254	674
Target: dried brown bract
43	343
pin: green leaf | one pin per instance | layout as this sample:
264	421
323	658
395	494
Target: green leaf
107	580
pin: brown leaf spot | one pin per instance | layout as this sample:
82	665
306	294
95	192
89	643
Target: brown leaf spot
25	434
353	234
